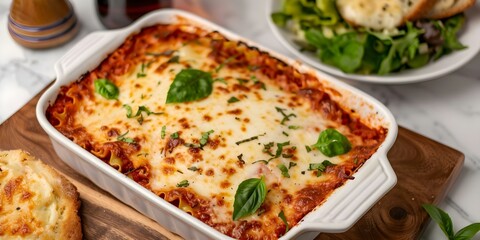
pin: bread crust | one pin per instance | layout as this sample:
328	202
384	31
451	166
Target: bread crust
24	190
458	7
420	10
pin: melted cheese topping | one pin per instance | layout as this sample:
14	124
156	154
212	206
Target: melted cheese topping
241	134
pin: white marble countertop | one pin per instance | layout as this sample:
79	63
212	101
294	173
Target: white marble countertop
445	109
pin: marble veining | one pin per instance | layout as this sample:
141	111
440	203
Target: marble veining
446	109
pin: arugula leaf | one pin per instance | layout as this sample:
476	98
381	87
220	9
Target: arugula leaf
106	88
344	51
332	143
249	197
280	19
190	85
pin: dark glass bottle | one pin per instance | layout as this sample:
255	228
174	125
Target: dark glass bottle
120	13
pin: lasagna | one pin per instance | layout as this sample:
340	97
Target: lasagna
229	134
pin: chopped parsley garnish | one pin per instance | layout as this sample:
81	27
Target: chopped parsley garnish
222	80
280	146
284	133
291	164
256	81
308	148
125	139
204	139
249	139
174	59
193	168
281	215
164	128
267	147
233	99
138	115
183	183
142	72
242	81
174	135
278	152
284	170
320	167
226	61
294	127
286	117
253	67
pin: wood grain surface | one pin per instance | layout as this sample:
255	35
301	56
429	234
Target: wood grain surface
425	170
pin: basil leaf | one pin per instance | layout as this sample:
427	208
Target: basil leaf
332	143
106	88
190	85
467	232
441	218
249	197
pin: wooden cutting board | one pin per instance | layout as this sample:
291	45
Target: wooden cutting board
425	169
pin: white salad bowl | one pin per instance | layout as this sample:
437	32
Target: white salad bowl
469	36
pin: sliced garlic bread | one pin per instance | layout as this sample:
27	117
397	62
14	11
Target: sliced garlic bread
36	202
382	14
448	8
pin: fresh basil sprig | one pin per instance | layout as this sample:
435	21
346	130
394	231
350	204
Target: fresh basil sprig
190	85
106	88
445	223
249	197
332	143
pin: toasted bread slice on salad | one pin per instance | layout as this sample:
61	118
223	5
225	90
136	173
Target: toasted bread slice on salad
448	8
36	202
382	14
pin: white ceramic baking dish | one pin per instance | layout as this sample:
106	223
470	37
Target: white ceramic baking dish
342	209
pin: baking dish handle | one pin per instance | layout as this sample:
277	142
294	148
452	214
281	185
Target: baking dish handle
84	53
369	186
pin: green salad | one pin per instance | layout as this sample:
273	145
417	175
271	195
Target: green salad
320	29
